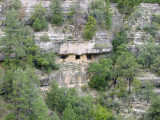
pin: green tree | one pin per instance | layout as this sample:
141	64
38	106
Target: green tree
81	104
68	113
39	109
98	82
147	54
156	65
12	34
55	97
101	73
101	113
70	15
137	85
56	11
97	10
38	18
45	61
120	38
108	14
16	4
126	66
25	98
91	28
55	116
58	99
154	111
121	87
37	24
18	42
148	90
127	6
6	85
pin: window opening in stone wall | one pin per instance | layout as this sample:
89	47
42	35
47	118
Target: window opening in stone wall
89	56
77	57
63	57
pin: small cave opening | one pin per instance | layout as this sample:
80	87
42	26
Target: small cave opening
89	56
77	57
63	57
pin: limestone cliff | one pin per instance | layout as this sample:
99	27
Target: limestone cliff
73	53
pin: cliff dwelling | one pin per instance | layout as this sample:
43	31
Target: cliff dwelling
76	58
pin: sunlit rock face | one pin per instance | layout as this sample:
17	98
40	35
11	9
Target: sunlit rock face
69	75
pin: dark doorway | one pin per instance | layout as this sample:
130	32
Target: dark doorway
63	57
89	56
77	57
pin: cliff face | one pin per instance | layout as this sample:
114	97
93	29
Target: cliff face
143	17
71	49
73	53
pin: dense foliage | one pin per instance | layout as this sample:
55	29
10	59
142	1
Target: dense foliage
68	103
102	72
38	18
127	6
102	12
56	16
91	28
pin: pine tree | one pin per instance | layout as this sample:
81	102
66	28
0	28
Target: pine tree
56	12
137	85
154	110
27	103
18	42
148	90
6	86
16	4
69	113
39	109
38	18
100	113
12	35
108	16
91	28
55	116
37	24
126	66
56	97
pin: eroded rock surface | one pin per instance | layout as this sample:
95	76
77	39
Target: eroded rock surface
144	76
69	75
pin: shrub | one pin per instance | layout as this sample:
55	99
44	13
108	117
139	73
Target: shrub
156	65
108	13
10	116
150	29
70	15
45	38
98	15
38	18
156	18
91	28
120	38
84	88
148	54
101	72
45	61
37	26
70	37
56	13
